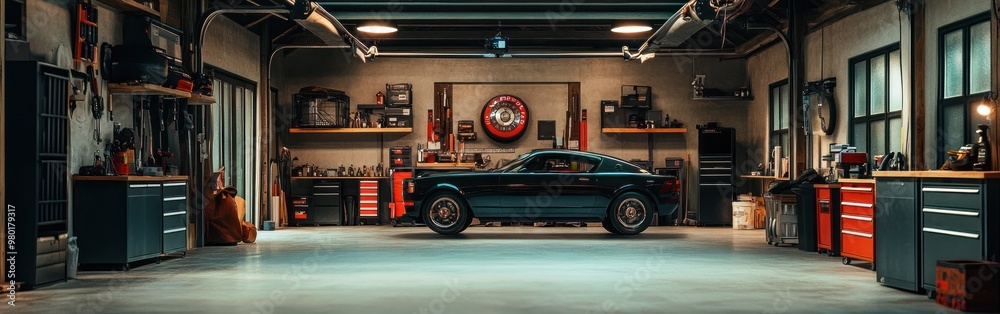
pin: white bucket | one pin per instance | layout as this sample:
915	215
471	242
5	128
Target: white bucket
744	214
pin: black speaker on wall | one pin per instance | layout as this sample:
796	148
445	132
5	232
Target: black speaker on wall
546	130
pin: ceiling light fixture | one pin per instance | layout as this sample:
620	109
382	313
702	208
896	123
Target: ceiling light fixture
628	27
377	27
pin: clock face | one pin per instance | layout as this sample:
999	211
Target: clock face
505	118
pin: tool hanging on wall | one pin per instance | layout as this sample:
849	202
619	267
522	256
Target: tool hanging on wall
85	36
105	68
96	103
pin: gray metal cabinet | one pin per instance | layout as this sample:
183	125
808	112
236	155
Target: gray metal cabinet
143	221
119	221
958	222
175	219
897	246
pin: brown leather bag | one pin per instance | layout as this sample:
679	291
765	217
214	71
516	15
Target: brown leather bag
249	232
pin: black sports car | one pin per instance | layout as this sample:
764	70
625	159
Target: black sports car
545	186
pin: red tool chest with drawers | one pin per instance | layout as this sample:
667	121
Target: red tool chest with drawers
857	220
368	201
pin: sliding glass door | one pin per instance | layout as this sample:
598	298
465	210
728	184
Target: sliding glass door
234	137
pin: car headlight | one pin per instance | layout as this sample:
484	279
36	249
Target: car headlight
410	187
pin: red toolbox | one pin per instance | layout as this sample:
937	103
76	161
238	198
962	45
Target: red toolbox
857	220
828	218
368	200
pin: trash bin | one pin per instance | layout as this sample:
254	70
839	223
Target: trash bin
805	210
744	215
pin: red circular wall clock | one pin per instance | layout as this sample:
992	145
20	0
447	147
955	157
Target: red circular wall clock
505	118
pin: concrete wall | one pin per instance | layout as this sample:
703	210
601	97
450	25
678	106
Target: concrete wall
600	79
231	47
834	45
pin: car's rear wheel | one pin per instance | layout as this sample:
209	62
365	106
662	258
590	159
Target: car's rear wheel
630	213
447	214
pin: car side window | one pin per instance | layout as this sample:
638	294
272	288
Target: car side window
584	164
561	164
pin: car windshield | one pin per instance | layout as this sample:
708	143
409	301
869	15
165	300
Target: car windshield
513	164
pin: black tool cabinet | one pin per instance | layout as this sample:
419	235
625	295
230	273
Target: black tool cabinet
716	189
958	221
37	132
121	220
928	216
897	247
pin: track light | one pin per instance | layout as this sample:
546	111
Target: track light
629	27
377	27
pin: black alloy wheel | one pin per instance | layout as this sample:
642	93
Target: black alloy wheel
630	213
446	213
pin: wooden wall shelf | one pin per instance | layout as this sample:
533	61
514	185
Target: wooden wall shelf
643	131
199	99
723	98
133	7
348	130
146	90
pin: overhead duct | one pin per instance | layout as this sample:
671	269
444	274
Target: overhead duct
690	19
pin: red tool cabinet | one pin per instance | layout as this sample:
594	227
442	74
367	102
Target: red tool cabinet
857	220
368	201
828	218
399	206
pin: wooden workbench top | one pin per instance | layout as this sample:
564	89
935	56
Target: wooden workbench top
849	180
747	176
449	164
340	178
130	178
938	174
827	185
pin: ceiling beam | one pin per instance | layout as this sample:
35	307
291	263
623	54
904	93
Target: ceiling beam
554	16
452	4
513	35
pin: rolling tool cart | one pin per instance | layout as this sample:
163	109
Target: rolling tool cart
368	202
857	220
782	223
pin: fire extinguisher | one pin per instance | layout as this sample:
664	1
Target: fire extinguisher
379	98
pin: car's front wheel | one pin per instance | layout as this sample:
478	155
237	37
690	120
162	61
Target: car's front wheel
630	213
607	225
446	213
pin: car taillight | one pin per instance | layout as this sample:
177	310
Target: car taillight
671	186
410	187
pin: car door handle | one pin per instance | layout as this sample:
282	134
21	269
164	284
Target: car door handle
584	179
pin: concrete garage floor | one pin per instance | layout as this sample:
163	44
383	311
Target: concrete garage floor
380	269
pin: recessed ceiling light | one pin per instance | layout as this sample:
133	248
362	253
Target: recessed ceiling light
631	27
377	27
